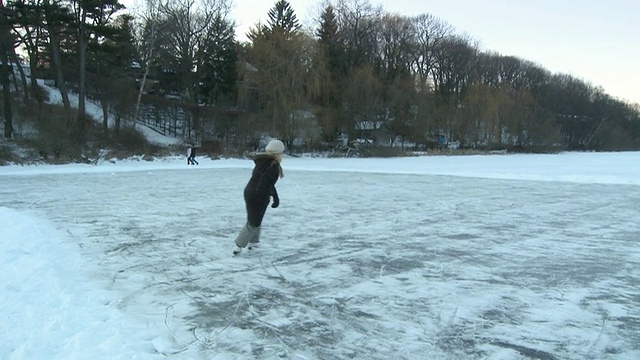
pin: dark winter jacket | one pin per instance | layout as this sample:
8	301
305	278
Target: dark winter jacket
261	187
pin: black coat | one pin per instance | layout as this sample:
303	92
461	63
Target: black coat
261	187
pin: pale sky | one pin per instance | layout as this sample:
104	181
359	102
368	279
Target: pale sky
594	40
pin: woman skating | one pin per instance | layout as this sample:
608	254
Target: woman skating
258	192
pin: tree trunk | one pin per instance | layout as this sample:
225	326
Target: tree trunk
116	126
57	64
142	84
6	94
32	53
145	75
82	42
105	114
5	40
23	78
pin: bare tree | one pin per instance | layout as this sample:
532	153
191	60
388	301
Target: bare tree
455	60
359	23
186	23
361	101
149	16
429	32
396	37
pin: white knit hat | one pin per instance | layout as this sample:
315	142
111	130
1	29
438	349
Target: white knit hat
274	147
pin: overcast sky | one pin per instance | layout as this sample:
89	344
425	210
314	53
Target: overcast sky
594	40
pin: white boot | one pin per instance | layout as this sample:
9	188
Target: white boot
237	250
253	246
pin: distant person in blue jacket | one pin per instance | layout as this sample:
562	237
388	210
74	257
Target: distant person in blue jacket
193	156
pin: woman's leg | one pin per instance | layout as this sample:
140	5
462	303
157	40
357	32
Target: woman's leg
255	239
249	233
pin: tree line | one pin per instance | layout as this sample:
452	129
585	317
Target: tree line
358	73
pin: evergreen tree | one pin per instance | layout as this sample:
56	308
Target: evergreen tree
57	18
109	66
282	19
329	42
218	72
329	66
278	53
92	20
29	23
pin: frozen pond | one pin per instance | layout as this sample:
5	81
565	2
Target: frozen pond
356	265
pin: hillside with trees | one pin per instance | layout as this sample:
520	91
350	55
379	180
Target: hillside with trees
388	82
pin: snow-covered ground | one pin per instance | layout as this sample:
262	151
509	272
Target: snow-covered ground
95	112
461	257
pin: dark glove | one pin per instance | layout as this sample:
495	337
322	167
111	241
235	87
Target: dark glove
276	202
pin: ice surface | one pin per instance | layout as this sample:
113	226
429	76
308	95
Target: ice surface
469	257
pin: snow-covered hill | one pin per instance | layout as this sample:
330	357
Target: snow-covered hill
95	111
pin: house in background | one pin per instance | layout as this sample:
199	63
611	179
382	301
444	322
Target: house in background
373	132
